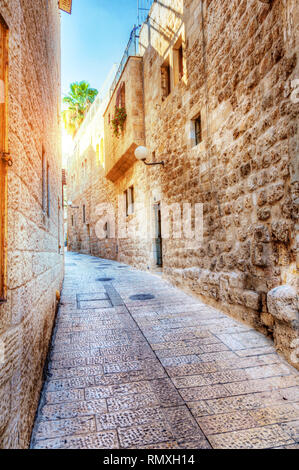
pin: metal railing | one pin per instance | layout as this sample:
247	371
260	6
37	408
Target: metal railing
144	7
132	49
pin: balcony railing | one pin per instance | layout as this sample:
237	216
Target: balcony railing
132	48
144	7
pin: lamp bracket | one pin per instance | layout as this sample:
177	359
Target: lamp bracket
154	163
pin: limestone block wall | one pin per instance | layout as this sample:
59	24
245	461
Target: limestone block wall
240	62
92	191
119	150
34	256
238	72
89	190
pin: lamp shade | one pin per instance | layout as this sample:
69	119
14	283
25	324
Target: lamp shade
142	153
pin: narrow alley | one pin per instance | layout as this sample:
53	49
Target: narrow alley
137	363
149	220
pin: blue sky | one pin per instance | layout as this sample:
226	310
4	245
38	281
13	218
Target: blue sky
94	37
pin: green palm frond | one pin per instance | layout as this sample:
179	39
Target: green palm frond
78	101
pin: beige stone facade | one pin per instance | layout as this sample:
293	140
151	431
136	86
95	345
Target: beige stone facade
220	108
33	209
87	187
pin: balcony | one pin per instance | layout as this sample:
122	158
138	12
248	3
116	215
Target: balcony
127	94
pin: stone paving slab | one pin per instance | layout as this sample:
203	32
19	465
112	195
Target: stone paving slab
164	373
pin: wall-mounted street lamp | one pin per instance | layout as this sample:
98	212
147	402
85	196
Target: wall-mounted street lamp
142	153
70	204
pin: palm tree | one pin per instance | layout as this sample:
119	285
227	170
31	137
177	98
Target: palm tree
78	101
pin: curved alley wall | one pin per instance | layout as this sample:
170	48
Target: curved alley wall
34	211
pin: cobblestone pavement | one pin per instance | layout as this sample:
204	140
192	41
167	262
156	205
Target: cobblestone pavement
136	363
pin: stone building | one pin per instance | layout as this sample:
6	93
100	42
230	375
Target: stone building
213	94
87	187
31	233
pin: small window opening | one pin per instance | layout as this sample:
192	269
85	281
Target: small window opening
165	79
129	199
197	130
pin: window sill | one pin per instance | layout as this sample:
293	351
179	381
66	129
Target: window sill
200	146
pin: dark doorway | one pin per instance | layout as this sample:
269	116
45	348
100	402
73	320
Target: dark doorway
158	236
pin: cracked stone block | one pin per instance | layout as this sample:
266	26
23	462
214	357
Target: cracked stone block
65	427
128	418
292	429
255	438
226	422
104	440
166	392
282	303
252	299
130	402
65	396
277	414
73	410
182	423
203	393
148	434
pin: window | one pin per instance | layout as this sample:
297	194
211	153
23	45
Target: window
123	95
196	130
181	63
129	198
165	79
178	62
3	150
84	214
72	220
197	124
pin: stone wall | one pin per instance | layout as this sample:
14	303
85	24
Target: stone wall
128	94
87	186
34	257
239	64
240	61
